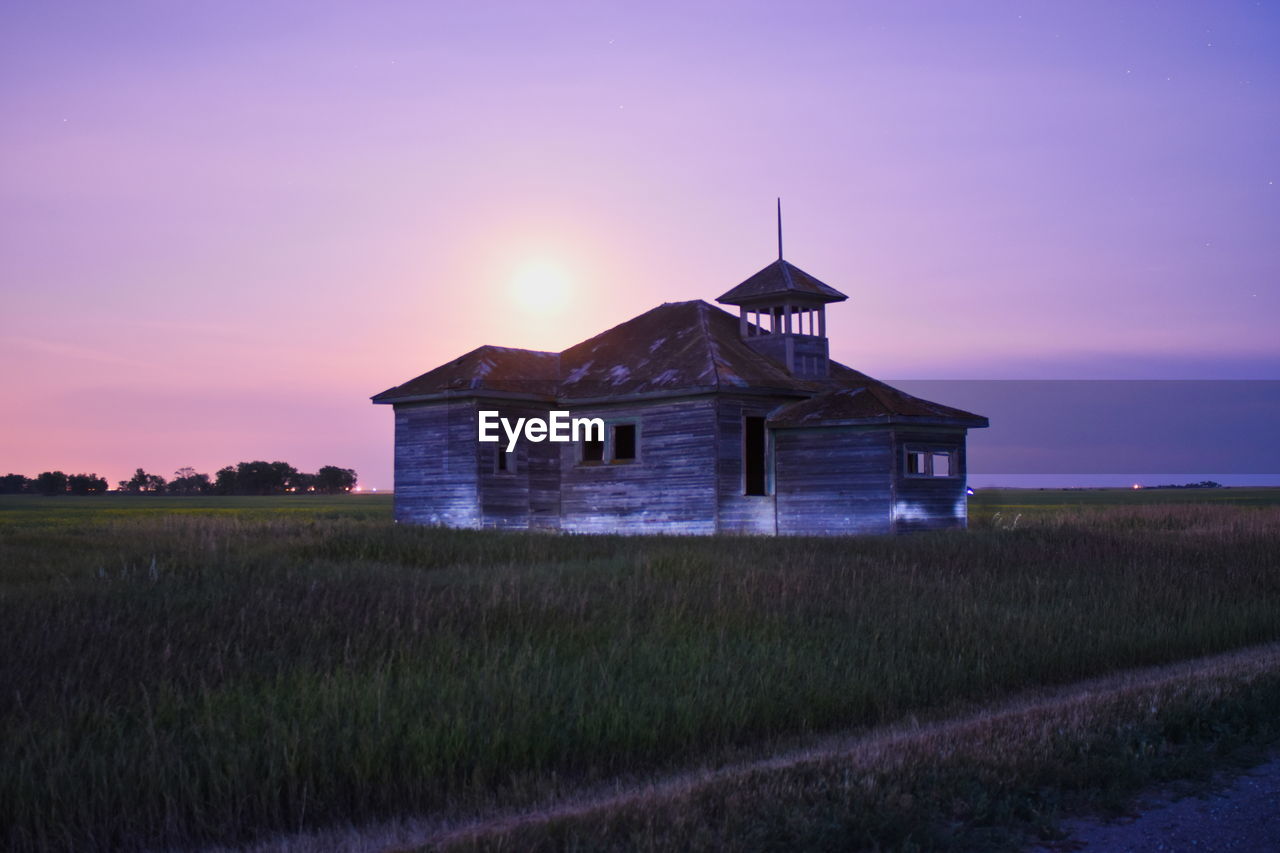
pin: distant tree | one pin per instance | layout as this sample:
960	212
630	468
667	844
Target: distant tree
14	484
135	484
187	482
224	482
264	478
273	478
86	484
51	483
143	482
332	480
283	476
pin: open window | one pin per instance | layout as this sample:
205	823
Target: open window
592	450
622	447
753	455
503	462
931	462
624	442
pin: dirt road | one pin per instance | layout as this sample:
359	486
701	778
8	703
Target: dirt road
1243	817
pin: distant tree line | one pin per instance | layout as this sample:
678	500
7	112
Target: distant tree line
53	483
244	478
1203	484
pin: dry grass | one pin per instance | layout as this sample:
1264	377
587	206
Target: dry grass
184	679
1027	731
959	782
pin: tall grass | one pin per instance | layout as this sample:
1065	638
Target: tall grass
1000	779
180	678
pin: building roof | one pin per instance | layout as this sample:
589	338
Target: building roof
868	401
779	281
675	348
488	368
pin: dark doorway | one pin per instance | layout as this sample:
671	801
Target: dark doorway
753	455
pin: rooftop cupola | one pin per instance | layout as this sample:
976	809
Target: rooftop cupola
783	314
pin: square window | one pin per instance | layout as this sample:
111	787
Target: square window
931	463
592	451
624	442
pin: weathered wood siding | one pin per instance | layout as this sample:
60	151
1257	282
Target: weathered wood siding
688	477
833	480
527	495
929	503
435	464
738	511
670	488
542	462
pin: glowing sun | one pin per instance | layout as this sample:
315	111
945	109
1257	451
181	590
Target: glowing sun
540	287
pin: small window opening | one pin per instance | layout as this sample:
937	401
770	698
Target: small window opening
593	450
753	455
932	463
500	464
624	442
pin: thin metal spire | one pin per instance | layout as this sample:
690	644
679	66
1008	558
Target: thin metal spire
779	228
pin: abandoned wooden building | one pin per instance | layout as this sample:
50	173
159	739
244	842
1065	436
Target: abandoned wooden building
712	424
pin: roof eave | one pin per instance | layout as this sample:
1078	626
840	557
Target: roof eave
460	394
887	420
775	295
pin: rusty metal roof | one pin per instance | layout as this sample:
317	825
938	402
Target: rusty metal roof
781	280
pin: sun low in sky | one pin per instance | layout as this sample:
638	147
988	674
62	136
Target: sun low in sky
541	287
202	205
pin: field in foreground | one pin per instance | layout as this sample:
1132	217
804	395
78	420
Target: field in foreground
177	674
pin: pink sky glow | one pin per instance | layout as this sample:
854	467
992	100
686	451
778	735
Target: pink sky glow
224	226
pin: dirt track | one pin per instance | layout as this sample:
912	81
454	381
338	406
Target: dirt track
866	748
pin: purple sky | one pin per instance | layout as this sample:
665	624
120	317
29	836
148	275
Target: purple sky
224	225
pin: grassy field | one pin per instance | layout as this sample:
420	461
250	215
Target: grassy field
73	510
988	501
185	671
998	778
